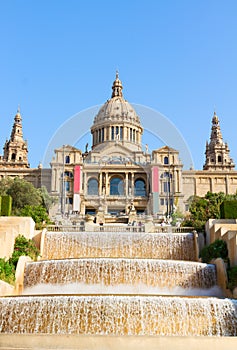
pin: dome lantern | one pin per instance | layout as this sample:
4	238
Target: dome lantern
117	87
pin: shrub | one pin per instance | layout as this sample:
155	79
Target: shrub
217	249
232	277
7	271
23	246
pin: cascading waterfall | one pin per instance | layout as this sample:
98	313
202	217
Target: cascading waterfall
119	261
108	271
119	315
119	245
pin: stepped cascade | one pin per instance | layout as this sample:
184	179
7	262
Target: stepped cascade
108	272
119	245
119	278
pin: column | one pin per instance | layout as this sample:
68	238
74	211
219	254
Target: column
126	184
174	181
106	184
100	184
132	183
147	185
85	183
227	184
195	186
106	134
211	184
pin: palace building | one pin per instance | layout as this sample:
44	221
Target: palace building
117	175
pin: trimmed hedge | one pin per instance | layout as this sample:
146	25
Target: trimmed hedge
6	205
228	210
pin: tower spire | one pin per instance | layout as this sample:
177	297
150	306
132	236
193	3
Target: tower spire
217	151
16	149
117	86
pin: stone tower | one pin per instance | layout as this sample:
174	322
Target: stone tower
16	150
217	151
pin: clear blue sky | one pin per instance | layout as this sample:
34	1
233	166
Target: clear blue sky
178	57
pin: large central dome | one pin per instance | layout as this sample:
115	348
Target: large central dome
116	119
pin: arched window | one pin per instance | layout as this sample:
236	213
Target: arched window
67	159
68	173
166	175
166	160
13	156
116	186
219	159
140	188
92	187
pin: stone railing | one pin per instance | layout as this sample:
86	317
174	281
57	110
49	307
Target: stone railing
173	229
120	228
65	228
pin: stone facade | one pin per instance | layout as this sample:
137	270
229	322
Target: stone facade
117	175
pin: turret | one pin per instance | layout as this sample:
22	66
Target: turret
16	149
217	151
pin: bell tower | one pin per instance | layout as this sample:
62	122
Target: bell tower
217	151
16	150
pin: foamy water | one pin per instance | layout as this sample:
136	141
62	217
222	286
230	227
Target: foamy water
82	288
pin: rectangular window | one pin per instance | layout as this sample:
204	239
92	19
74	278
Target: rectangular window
112	133
67	185
121	132
166	187
117	130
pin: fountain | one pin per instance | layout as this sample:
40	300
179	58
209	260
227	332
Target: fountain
107	284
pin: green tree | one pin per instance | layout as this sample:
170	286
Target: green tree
5	184
23	193
204	208
47	200
38	213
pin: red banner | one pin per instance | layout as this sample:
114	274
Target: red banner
77	178
155	179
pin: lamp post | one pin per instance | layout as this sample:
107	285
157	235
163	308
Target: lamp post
63	185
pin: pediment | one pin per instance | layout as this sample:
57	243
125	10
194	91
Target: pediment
113	150
165	149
